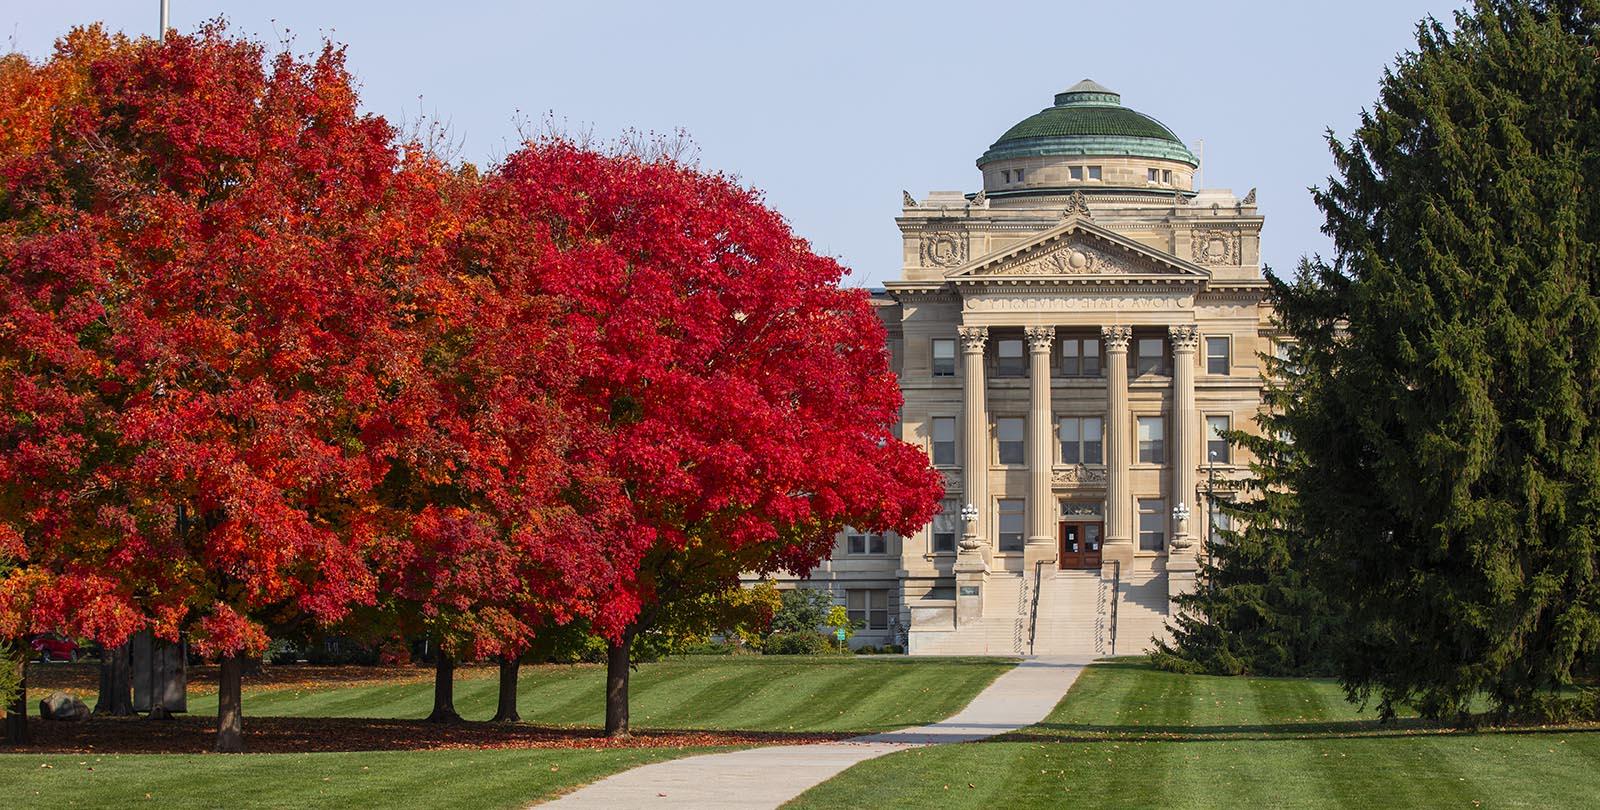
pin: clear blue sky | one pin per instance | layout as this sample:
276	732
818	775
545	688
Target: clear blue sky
833	108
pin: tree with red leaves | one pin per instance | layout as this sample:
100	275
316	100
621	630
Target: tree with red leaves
737	401
206	262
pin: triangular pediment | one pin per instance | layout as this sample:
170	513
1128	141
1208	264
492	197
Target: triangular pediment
1075	248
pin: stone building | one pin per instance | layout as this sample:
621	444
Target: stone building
1070	339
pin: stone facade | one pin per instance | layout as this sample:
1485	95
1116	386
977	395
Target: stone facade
1067	341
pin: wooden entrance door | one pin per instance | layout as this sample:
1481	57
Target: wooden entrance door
1080	544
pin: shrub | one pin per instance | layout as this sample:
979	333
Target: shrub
866	649
802	610
802	642
892	649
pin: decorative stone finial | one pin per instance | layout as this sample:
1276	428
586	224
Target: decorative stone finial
980	200
1077	206
910	201
1250	199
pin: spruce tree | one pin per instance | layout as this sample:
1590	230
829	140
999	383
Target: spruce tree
1447	426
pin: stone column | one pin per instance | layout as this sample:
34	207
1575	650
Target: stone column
1041	541
972	562
1119	448
1186	440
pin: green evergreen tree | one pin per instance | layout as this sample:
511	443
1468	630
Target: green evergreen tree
1447	426
1256	608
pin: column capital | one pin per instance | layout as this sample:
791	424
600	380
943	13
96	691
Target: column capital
1040	338
973	338
1185	337
1116	337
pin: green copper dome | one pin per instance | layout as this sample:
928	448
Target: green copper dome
1089	119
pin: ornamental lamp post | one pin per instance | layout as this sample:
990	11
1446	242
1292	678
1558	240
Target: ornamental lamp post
969	533
1180	537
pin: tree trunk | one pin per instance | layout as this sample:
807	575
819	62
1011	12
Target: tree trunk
230	719
17	710
506	712
116	687
617	660
444	690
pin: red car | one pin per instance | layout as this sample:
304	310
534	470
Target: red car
55	648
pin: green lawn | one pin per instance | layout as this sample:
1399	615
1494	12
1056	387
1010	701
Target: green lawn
714	693
432	779
698	692
1130	736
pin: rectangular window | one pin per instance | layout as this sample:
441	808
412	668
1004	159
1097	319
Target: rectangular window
1007	174
1008	432
1080	438
1217	449
1152	524
868	609
1080	357
1011	516
1153	175
1152	440
1220	523
1019	174
944	357
1009	361
1150	356
944	441
946	525
859	542
1094	172
1166	176
1218	356
1075	172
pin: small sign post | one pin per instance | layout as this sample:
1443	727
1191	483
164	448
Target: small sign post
839	634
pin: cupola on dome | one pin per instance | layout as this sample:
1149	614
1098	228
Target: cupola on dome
1089	120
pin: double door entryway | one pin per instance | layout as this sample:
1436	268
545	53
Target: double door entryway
1080	544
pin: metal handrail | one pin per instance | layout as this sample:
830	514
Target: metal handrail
1033	610
1116	588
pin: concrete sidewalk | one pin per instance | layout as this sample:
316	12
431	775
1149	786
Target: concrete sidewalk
768	777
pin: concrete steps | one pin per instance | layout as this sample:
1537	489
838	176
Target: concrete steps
1074	615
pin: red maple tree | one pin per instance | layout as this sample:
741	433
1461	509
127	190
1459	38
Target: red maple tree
738	400
205	262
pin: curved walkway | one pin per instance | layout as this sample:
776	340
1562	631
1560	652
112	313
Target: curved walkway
768	777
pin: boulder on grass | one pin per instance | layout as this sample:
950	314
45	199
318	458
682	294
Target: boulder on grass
63	706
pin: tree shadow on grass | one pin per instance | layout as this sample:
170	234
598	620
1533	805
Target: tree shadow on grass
1318	730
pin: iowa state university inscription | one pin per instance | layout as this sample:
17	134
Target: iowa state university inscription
1109	303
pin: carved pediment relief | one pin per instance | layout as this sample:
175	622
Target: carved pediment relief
1078	247
1066	258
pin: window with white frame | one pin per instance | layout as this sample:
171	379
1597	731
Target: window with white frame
1008	433
1080	357
944	357
868	608
1219	358
1153	175
1094	172
1152	440
945	528
859	542
1166	176
944	441
1217	448
1011	519
1081	440
1075	172
1152	524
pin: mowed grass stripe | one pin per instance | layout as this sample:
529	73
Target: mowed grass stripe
802	694
447	780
